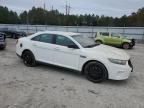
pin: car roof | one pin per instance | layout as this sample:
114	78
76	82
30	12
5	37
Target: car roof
60	33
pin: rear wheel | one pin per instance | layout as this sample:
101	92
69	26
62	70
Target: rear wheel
29	59
95	72
126	46
98	42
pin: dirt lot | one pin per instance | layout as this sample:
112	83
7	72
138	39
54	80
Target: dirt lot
53	87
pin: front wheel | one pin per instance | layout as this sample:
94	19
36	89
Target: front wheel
126	46
95	72
29	59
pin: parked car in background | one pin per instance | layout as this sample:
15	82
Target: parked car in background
77	52
114	39
13	33
2	41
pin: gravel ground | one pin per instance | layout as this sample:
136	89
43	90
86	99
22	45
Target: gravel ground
52	87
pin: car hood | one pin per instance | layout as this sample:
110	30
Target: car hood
108	52
127	38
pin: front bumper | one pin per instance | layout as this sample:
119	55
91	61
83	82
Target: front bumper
132	43
120	72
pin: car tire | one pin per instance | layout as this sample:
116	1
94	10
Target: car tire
95	72
3	48
29	59
126	46
98	42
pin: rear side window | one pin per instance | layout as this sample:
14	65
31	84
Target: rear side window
46	38
37	38
104	34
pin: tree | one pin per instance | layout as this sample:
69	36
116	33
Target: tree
54	17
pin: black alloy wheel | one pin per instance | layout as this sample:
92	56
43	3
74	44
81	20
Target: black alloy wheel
95	72
29	59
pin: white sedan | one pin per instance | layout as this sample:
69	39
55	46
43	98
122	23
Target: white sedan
77	52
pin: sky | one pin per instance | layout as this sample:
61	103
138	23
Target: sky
115	8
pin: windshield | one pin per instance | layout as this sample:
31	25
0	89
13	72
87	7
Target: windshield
84	41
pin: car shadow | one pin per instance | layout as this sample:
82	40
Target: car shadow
77	74
57	69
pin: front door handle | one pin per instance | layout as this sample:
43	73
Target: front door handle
57	48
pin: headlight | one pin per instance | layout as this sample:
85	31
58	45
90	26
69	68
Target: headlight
116	61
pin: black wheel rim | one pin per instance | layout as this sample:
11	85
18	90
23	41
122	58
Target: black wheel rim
28	60
95	72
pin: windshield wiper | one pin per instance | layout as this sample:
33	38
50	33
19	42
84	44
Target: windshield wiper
90	46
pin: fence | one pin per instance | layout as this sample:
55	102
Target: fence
132	32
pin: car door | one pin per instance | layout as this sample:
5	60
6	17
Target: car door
115	40
64	56
106	37
43	48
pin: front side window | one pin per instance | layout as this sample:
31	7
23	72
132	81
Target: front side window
84	41
64	41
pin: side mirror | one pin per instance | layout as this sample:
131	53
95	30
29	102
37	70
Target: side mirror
73	46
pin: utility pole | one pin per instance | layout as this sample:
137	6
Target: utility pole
52	8
67	8
27	21
44	7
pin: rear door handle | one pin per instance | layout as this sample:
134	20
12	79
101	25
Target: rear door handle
34	44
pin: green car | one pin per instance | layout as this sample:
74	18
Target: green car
114	39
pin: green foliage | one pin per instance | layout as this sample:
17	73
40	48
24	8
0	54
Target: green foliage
8	17
53	17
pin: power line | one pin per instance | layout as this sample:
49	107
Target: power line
67	8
